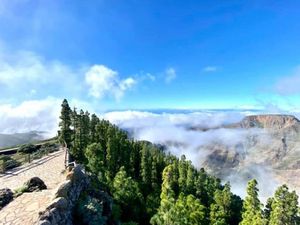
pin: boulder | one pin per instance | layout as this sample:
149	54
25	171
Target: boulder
35	184
6	196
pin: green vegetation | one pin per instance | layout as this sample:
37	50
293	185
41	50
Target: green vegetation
150	186
27	153
8	162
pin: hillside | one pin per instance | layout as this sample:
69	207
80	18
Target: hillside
7	140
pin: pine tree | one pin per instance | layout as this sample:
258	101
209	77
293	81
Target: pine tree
236	210
95	157
284	207
268	209
167	197
252	214
146	166
127	194
154	179
111	153
220	210
182	169
78	142
93	134
65	133
190	179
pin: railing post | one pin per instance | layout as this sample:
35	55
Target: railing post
2	166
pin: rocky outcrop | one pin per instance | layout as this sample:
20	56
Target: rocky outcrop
59	212
6	196
269	121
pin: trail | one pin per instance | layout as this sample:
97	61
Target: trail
24	209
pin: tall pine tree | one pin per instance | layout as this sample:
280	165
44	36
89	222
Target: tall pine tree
252	214
284	207
65	133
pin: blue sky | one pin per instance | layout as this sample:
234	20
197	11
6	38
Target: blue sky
151	54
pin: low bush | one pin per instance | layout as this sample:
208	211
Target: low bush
89	211
7	162
28	148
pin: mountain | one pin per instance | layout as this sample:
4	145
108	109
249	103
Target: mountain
269	147
7	140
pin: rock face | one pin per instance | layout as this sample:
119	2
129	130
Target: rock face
35	184
269	121
261	142
6	196
59	212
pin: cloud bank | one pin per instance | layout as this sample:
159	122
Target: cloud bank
31	115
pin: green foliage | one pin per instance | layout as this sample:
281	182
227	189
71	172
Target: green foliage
65	133
186	210
28	148
95	158
89	211
220	210
126	193
284	207
268	209
7	162
19	191
252	214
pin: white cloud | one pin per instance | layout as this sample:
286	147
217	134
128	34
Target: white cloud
210	69
36	115
105	81
289	84
30	67
39	115
170	74
26	72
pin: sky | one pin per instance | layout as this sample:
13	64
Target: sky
118	55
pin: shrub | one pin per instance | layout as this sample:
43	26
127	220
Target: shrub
49	147
89	211
28	148
7	162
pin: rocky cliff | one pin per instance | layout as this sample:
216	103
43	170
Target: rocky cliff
262	141
270	121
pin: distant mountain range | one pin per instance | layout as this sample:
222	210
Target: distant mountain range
7	140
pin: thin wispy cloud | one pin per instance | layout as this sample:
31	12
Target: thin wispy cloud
288	85
210	69
170	74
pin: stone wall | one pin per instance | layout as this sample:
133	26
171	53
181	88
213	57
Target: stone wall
59	212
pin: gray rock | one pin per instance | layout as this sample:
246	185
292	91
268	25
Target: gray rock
6	196
59	203
64	189
44	222
35	184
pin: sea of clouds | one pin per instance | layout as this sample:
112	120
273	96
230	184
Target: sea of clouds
171	128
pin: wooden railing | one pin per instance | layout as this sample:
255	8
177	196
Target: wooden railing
13	161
